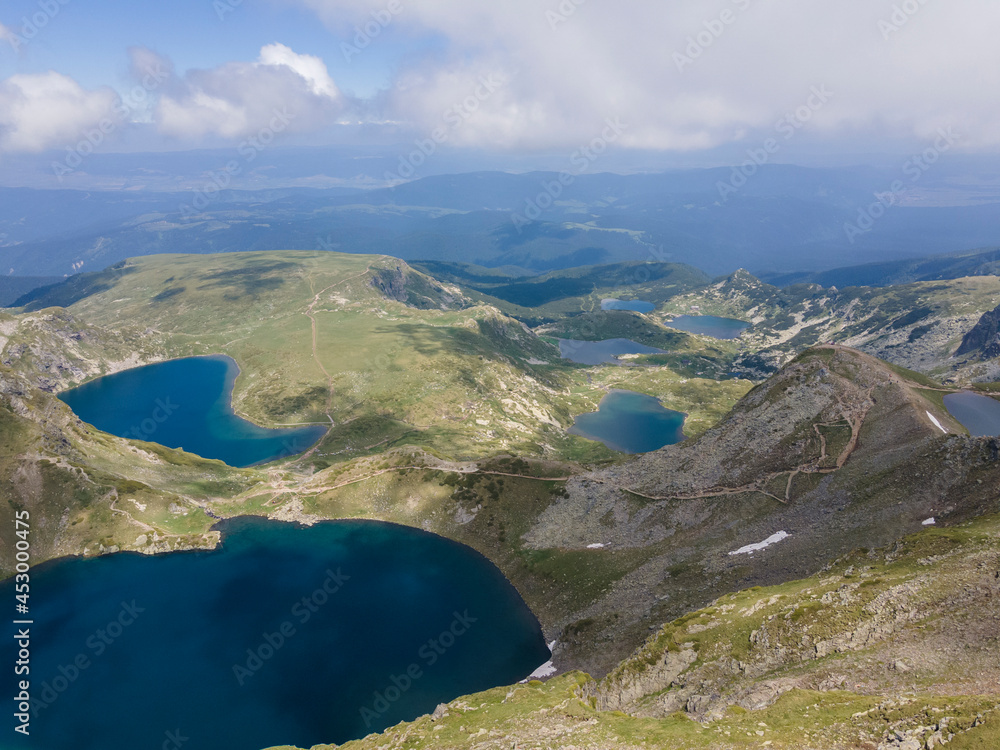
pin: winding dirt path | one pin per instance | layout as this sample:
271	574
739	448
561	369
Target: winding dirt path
310	313
853	420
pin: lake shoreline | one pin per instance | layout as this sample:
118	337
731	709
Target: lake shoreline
378	553
638	411
187	403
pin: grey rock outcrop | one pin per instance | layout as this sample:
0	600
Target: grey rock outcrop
984	338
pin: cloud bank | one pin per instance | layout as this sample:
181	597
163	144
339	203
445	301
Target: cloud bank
46	110
533	75
688	75
239	98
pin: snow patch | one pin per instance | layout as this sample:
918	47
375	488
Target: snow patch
930	521
546	670
936	423
751	548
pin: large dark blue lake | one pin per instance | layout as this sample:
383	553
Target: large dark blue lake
631	423
602	352
185	403
980	415
284	635
709	325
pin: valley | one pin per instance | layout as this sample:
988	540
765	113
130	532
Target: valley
449	409
453	375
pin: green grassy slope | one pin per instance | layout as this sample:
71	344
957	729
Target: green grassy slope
90	493
388	355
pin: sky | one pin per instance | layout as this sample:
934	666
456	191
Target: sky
517	77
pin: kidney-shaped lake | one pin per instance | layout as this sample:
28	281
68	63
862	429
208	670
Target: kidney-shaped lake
185	403
284	635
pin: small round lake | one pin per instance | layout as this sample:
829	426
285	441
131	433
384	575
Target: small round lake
631	423
284	635
185	403
602	352
633	305
980	415
709	325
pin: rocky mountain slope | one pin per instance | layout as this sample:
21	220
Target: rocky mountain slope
787	606
983	341
919	325
837	451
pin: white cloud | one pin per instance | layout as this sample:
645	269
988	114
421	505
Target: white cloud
39	111
570	64
240	98
309	67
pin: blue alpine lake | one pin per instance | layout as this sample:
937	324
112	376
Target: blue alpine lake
185	403
709	325
602	352
631	423
634	305
285	635
980	415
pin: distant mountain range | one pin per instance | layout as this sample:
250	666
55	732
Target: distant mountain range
782	220
932	268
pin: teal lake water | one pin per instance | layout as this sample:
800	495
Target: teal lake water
602	352
979	414
631	423
709	325
634	305
285	635
185	403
